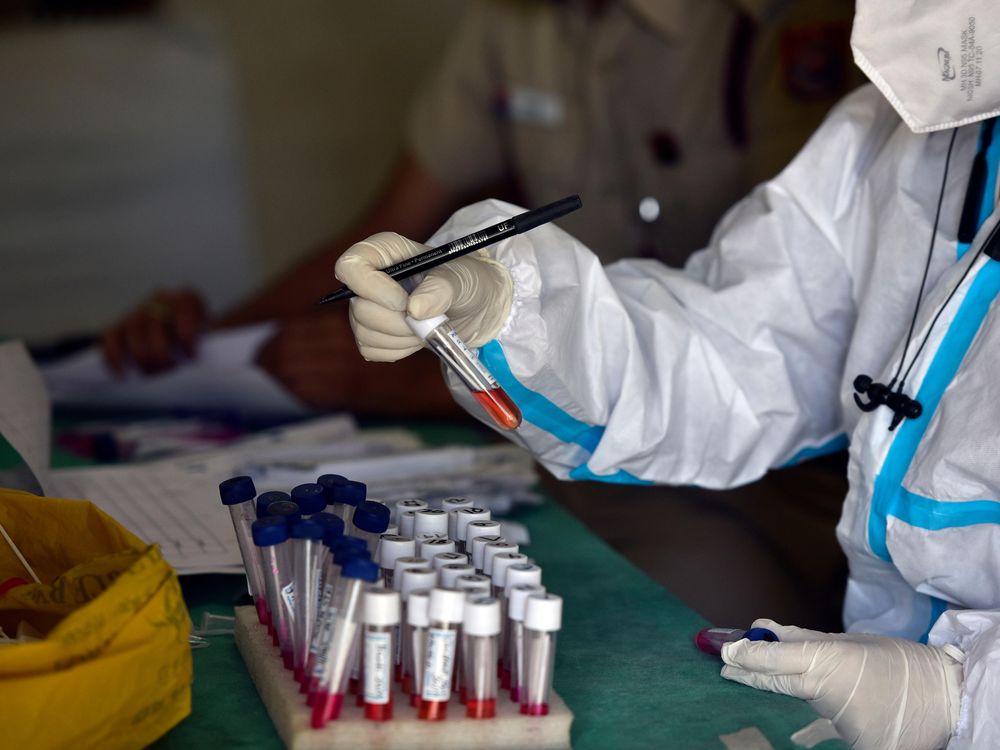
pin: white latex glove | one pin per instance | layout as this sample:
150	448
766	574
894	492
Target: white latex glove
880	693
475	292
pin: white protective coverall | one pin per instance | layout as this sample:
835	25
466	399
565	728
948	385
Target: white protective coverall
744	360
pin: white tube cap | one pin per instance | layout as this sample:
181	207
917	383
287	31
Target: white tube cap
405	563
430	521
381	606
423	328
491	550
543	612
473	582
405	521
446	605
500	564
462	518
416	578
392	530
522	573
481	616
448	558
518	597
450	573
435	546
479	548
410	503
454	503
416	608
480	528
391	547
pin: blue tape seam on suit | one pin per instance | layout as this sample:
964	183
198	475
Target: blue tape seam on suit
545	415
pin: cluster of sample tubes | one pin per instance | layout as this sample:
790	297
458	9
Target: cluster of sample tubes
362	601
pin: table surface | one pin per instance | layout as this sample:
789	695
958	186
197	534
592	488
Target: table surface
626	664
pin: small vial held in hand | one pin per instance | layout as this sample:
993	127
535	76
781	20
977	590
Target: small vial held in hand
445	343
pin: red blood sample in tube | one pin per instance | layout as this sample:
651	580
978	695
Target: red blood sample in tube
415	699
481	709
327	708
263	616
378	711
433	710
535	709
500	407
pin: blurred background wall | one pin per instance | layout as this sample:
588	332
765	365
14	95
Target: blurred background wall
325	88
190	142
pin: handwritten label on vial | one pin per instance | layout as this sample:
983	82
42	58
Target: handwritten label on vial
472	357
321	640
439	664
288	595
378	667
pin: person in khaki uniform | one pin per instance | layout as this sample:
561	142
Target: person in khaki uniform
660	114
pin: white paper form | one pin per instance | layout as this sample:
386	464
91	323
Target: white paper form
24	412
222	376
168	503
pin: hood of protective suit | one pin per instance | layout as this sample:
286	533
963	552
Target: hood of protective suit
936	61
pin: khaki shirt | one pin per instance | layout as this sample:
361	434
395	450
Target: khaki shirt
680	105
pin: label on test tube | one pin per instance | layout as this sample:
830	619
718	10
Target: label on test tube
473	359
440	664
288	594
378	667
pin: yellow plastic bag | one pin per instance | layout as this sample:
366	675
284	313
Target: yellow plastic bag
113	669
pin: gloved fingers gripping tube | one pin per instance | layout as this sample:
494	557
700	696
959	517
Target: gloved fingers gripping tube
442	339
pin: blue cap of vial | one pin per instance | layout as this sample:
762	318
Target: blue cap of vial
305	528
310	497
348	493
333	524
361	567
269	531
266	498
328	482
237	490
285	509
346	547
371	517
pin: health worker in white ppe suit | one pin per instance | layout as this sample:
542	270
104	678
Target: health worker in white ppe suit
855	295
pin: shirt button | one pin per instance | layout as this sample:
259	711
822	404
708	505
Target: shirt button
649	209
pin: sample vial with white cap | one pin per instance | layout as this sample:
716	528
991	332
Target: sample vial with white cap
381	612
452	571
415	644
512	653
542	620
448	558
441	339
430	521
459	520
410	503
522	573
491	550
410	580
480	631
477	549
500	565
435	546
405	521
445	613
391	547
405	563
455	503
473	584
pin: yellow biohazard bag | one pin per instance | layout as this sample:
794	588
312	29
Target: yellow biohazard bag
112	665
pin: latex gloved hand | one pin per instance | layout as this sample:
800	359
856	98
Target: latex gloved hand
475	293
880	693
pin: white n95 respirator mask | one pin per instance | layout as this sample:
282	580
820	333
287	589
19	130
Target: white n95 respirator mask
936	61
